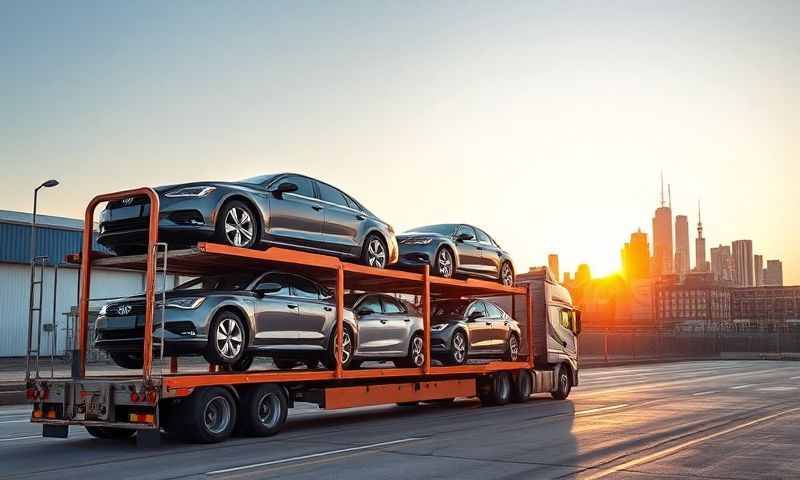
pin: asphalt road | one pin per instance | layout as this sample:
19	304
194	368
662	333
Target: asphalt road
720	420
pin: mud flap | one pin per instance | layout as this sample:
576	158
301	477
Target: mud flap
55	431
148	438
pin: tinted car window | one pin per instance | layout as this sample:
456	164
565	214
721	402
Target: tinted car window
483	237
391	306
477	307
282	279
330	194
371	302
466	229
305	288
305	186
218	282
493	311
448	307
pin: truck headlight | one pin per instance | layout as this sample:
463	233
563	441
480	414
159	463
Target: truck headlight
190	192
185	303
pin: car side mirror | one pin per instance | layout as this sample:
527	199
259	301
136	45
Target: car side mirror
475	315
461	237
365	311
268	287
283	187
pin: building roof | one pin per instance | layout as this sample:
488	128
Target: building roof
9	216
55	237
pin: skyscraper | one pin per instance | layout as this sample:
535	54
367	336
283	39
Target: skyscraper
721	264
662	237
700	246
583	274
552	262
758	270
682	245
774	273
742	252
636	257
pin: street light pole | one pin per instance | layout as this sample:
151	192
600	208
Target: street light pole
48	184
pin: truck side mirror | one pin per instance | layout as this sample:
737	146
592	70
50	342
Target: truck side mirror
576	328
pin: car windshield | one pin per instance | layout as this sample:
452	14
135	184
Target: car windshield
441	229
258	179
449	308
219	282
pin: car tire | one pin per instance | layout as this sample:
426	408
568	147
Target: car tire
242	365
374	253
507	274
284	363
444	266
348	342
512	348
459	348
110	433
312	364
262	410
208	415
497	391
523	387
236	220
131	361
227	339
415	357
563	384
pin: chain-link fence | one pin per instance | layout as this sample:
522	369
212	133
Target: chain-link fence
617	346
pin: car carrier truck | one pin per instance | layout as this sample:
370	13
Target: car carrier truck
208	406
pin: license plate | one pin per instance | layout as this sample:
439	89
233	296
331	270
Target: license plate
121	323
92	404
124	213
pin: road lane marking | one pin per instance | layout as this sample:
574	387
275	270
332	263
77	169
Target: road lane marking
313	455
601	409
707	392
776	389
15	421
11	439
669	451
795	378
737	387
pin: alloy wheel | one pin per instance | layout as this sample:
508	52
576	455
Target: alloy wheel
417	352
459	347
444	263
269	410
507	275
229	338
376	253
239	227
217	415
513	348
347	347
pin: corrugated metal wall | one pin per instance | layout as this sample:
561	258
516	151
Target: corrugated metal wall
54	243
14	290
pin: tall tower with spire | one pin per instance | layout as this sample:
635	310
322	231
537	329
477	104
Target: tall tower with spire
700	264
662	235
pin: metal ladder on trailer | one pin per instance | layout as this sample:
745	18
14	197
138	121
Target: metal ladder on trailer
35	291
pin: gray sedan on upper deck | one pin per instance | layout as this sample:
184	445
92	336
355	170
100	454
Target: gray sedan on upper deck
270	210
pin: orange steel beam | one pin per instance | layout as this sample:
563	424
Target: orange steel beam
426	318
86	274
529	305
362	396
340	320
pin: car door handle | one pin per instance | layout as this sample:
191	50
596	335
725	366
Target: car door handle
292	305
407	320
328	309
489	323
383	321
316	207
479	248
361	217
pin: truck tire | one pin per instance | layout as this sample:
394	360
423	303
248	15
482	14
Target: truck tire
523	386
110	433
563	384
208	415
497	391
263	410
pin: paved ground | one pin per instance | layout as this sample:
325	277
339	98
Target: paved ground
721	420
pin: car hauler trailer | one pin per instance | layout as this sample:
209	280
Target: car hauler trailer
207	406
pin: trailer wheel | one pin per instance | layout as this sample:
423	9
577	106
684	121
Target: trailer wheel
112	433
564	384
209	415
498	390
523	387
263	410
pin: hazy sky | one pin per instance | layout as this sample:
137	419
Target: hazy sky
547	123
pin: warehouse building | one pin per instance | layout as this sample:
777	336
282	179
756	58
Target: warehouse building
56	237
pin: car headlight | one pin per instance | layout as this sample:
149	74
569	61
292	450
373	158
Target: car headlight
190	192
438	327
187	303
416	241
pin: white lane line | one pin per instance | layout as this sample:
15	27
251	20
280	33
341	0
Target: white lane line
669	451
11	439
707	392
16	421
312	455
601	409
737	387
795	378
776	389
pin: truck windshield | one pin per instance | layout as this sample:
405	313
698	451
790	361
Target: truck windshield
449	308
219	282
